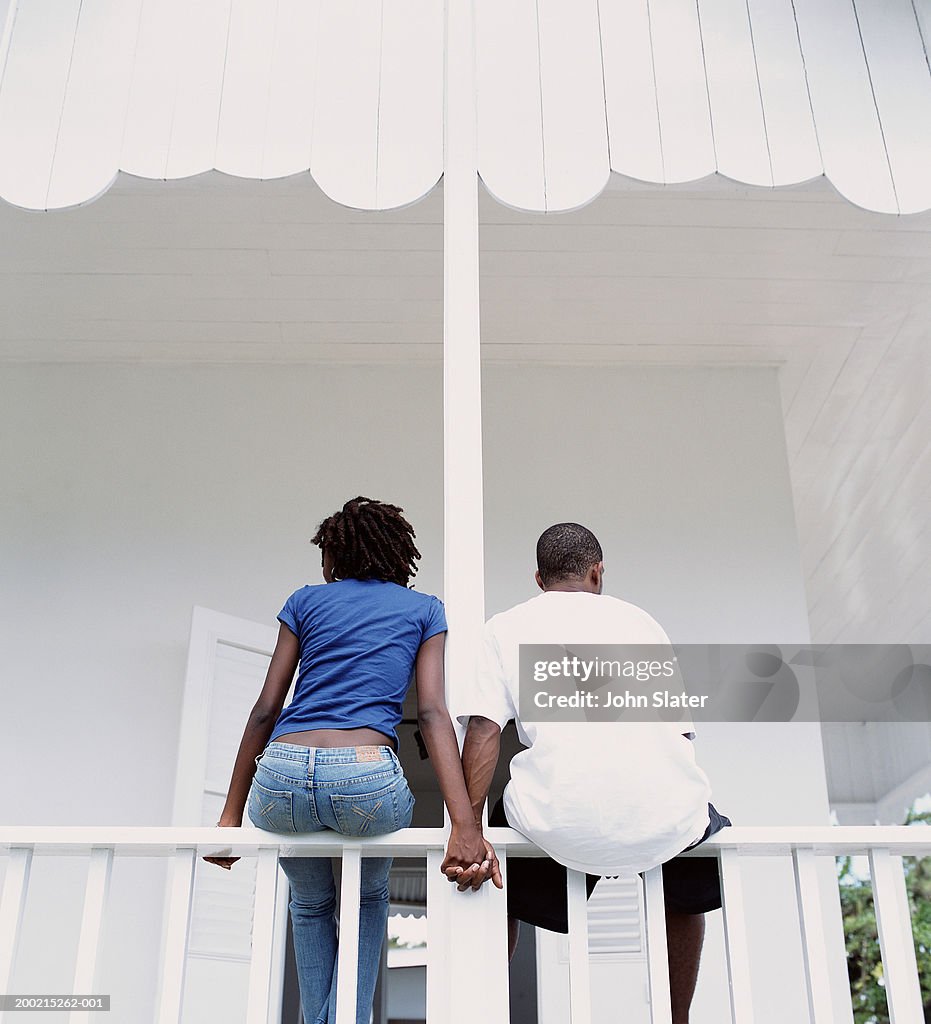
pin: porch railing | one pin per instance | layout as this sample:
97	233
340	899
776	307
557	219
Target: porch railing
885	847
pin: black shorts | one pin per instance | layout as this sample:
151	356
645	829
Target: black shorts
536	886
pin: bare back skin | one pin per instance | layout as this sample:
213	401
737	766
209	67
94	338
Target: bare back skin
337	738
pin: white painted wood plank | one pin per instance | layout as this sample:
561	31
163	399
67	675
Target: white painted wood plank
734	91
439	957
866	493
7	17
735	938
263	936
682	91
12	906
246	88
153	91
657	952
32	95
508	101
199	58
898	67
279	949
814	949
410	115
883	568
463	553
477	920
790	129
922	10
177	930
347	970
345	139
292	89
90	135
580	988
848	129
630	91
893	922
575	138
95	901
824	370
162	841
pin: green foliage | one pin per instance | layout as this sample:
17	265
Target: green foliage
864	964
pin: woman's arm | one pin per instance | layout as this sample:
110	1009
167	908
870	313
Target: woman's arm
259	727
466	847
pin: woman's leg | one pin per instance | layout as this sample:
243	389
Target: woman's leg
363	806
373	923
313	925
279	801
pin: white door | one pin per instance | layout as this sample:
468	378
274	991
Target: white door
227	661
616	956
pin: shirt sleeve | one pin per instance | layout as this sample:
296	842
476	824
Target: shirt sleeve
435	621
289	615
685	725
489	695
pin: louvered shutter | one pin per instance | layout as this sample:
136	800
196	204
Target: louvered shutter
615	922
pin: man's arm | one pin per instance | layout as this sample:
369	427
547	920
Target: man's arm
480	752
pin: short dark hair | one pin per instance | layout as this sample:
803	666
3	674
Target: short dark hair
566	551
369	540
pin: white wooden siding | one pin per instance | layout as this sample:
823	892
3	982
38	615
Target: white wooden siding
765	94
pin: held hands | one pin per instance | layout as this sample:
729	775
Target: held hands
470	859
225	862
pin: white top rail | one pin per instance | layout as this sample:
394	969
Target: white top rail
148	841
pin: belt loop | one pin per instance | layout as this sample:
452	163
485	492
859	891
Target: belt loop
311	763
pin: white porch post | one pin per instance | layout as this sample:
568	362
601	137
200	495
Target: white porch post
462	389
462	945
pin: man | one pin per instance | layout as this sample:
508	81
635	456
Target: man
603	797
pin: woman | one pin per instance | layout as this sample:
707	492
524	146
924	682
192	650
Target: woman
328	761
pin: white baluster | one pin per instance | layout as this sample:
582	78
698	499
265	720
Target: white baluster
735	938
894	924
438	936
580	993
347	971
263	935
177	931
279	946
657	953
12	905
814	948
95	899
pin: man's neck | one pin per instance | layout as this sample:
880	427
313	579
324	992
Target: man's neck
570	587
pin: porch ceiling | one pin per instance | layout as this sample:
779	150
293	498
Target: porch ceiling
216	268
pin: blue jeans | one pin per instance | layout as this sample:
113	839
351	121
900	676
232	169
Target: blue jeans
356	791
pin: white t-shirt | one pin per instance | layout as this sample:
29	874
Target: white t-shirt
609	798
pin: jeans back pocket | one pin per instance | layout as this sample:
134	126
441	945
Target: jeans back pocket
373	813
271	809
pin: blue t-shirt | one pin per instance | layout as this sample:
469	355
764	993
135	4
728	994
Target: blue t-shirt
359	640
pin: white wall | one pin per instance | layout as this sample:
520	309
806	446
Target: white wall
131	493
688	490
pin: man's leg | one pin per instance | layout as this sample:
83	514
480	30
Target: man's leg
692	888
684	936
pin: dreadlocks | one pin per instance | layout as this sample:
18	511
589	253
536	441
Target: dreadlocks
369	539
